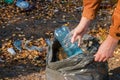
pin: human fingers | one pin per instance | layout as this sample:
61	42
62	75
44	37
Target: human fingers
73	39
107	58
102	58
79	41
97	57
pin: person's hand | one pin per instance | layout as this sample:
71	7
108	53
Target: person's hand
106	49
80	30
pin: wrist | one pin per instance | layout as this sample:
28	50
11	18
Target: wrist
84	22
112	39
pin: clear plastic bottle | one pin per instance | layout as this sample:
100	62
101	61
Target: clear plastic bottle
63	35
22	4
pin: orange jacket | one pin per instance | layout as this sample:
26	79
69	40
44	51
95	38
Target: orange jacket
90	9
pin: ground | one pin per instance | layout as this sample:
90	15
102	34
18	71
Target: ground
37	24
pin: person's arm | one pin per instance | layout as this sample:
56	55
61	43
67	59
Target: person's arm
89	12
115	26
107	48
90	8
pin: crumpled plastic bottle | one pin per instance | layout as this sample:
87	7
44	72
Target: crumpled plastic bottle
11	51
22	4
18	45
63	35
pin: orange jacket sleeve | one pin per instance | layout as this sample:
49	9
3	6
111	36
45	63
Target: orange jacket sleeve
115	26
90	9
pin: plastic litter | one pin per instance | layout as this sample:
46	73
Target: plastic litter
29	8
48	42
22	4
9	1
79	67
33	47
63	35
11	51
79	8
18	45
